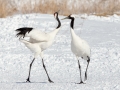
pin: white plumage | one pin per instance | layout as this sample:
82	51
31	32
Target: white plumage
38	42
79	47
43	40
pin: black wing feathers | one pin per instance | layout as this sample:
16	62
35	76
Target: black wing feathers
23	31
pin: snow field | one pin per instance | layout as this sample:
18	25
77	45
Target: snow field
103	35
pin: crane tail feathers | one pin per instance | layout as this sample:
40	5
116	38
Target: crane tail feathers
22	31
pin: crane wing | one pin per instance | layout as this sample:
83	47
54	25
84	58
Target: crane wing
37	36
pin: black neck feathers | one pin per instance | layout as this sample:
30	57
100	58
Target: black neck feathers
59	23
72	23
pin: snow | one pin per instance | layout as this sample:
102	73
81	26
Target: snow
114	18
102	34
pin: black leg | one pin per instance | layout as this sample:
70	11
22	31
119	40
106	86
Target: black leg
86	69
28	79
47	73
81	82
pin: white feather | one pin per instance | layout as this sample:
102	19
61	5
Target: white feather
37	35
79	46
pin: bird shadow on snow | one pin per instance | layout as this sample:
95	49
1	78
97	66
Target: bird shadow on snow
48	82
30	82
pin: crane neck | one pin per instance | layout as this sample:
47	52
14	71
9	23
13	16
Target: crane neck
54	32
72	23
72	29
59	23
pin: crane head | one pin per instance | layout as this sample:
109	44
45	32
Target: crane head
69	17
56	14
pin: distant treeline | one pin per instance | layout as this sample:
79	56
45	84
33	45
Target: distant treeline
97	7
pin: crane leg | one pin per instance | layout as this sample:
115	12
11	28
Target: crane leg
47	73
81	82
28	79
87	68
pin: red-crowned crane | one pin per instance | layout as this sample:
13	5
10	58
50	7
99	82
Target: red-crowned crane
38	42
79	47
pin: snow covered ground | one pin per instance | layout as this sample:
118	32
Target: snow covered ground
102	34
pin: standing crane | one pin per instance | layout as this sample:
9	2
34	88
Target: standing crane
79	47
38	42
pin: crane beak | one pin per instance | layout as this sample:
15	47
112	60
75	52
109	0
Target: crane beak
65	18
